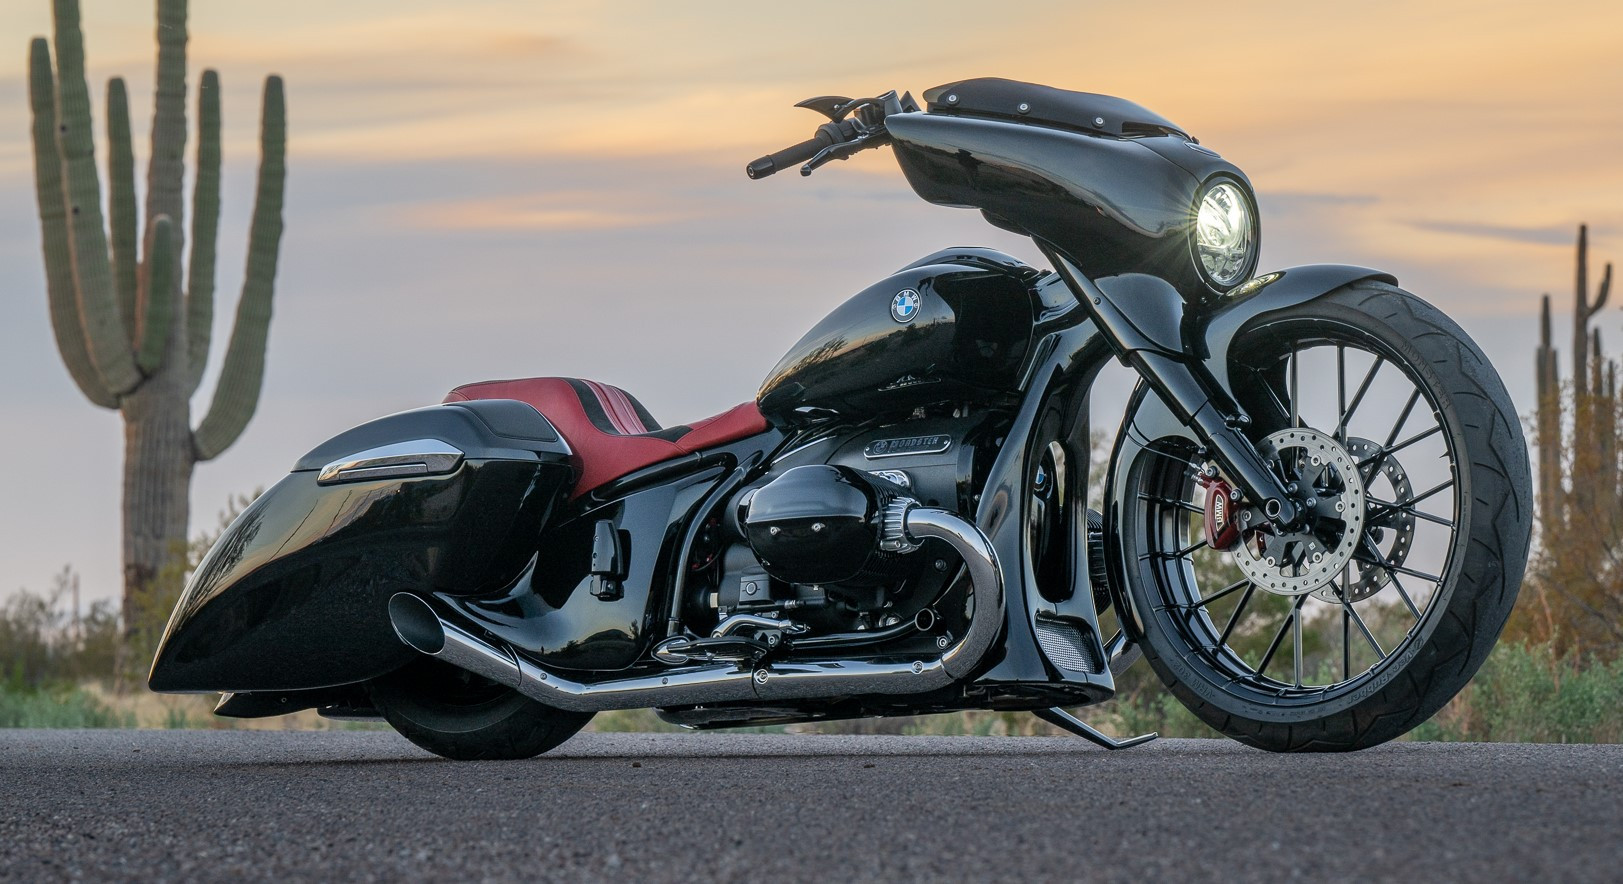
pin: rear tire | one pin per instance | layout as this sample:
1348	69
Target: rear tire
1210	658
456	714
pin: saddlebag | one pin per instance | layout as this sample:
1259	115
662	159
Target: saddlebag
448	499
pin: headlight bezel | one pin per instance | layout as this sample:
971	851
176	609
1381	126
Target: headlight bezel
1253	235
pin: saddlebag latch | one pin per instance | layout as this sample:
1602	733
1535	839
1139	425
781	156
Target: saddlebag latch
608	571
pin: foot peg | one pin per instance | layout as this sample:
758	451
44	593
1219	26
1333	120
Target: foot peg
1066	721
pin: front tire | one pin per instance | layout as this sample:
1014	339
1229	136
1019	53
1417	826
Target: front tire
455	714
1290	660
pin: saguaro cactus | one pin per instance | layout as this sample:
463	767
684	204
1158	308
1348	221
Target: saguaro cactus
1548	373
1583	310
1589	411
1578	589
133	330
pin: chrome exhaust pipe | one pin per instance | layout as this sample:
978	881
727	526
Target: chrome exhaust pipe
421	628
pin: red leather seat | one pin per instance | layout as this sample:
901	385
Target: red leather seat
609	430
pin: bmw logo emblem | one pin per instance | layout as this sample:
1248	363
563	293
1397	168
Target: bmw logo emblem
904	306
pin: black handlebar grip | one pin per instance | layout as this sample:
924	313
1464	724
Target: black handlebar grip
790	156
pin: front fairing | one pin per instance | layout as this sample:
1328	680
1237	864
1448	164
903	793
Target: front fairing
1113	204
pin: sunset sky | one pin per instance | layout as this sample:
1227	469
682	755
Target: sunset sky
504	189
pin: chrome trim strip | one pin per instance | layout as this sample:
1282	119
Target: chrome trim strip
422	629
418	457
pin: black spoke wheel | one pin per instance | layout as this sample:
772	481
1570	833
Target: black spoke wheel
456	714
1359	623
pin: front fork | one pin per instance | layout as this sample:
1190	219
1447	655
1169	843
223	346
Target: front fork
1142	319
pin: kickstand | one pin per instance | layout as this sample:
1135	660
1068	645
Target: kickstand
1066	721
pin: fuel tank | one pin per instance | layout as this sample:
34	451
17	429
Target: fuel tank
953	326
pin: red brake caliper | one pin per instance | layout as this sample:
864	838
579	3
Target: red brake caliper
1222	531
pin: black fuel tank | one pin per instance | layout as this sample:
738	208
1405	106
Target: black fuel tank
954	326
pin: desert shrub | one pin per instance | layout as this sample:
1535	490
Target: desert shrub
42	643
1531	693
57	707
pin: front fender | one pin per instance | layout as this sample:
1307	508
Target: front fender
1208	336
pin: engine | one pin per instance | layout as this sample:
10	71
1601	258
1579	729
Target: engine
819	542
827	524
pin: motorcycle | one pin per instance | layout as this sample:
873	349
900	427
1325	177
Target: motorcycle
1313	524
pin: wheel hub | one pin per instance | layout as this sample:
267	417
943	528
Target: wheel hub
1329	490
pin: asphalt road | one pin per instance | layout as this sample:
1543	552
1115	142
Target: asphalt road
198	805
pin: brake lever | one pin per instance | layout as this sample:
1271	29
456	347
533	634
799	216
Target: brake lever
840	151
869	123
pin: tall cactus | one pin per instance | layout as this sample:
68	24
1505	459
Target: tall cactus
1583	310
1588	412
132	329
1577	587
1548	374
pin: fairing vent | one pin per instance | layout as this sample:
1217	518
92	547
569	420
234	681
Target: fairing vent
1069	646
1148	130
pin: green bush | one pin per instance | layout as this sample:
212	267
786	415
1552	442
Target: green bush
46	645
1531	694
57	708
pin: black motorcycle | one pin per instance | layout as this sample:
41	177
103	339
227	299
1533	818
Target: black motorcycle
1313	525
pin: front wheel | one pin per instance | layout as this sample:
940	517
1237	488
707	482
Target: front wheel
1362	621
455	714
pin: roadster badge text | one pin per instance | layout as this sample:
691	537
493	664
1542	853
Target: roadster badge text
907	445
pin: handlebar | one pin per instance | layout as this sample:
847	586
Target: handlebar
795	154
854	125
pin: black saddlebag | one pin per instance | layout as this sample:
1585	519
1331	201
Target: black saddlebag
450	498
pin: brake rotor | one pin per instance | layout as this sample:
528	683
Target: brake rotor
1369	578
1330	491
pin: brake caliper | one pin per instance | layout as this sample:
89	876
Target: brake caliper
1222	508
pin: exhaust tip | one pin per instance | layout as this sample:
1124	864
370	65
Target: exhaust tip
416	624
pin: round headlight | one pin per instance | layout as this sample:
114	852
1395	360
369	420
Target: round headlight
1225	235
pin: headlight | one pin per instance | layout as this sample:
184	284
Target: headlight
1225	235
